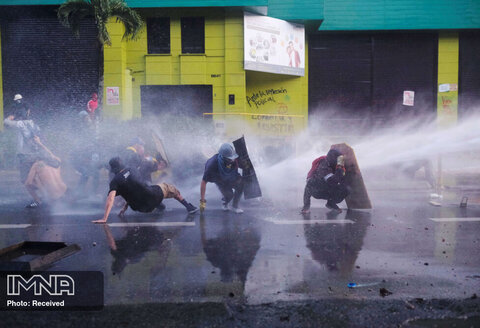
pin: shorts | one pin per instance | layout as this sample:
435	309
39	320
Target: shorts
149	202
169	190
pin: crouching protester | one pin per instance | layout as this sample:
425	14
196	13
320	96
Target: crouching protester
44	181
138	195
222	169
326	180
152	169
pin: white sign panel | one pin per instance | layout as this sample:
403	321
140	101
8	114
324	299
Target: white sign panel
408	98
273	45
113	96
444	87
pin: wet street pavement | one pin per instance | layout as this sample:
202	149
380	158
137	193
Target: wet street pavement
223	269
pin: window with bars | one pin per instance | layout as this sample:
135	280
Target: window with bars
193	35
158	35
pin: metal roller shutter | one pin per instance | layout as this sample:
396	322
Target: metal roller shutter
469	71
339	81
404	62
359	78
42	60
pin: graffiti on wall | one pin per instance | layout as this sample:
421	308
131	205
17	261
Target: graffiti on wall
447	108
274	124
260	98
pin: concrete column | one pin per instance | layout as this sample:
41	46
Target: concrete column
447	89
116	74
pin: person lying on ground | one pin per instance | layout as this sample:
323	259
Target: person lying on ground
326	180
222	169
138	195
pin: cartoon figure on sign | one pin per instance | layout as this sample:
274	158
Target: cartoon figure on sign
293	55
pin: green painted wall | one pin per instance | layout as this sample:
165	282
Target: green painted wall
339	14
296	10
447	102
400	15
154	3
195	3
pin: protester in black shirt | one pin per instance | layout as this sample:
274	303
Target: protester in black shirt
138	195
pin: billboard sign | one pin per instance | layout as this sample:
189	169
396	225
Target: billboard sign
273	45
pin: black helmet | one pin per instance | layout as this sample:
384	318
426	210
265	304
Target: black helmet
332	157
115	165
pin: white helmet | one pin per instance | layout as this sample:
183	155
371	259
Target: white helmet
17	97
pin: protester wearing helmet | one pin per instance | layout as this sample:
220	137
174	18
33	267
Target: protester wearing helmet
27	150
222	169
326	180
20	106
134	154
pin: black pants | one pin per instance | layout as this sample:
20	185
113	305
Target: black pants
322	190
227	190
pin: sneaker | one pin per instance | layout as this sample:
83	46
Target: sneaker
333	206
33	204
237	210
191	209
225	207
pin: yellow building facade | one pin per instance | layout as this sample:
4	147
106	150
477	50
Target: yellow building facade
268	104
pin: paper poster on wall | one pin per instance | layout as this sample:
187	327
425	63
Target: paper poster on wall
408	98
113	96
273	45
445	87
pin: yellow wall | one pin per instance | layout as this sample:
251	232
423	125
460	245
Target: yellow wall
114	72
182	69
278	104
129	66
447	102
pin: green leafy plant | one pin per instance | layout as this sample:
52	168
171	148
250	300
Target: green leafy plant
72	12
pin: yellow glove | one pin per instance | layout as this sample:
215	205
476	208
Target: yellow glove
341	160
203	205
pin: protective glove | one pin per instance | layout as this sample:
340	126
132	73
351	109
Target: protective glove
203	205
341	160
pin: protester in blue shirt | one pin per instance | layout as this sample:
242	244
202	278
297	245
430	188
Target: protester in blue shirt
222	169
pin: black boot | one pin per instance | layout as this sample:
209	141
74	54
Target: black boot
190	208
334	207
